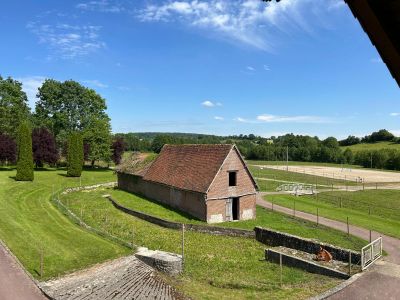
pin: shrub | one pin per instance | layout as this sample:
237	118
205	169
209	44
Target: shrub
8	149
44	147
75	155
25	158
118	149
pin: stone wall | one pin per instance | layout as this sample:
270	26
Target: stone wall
309	266
215	230
275	238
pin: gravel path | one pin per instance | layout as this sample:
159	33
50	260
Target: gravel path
15	284
381	281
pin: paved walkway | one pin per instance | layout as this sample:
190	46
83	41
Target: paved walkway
15	284
382	281
121	279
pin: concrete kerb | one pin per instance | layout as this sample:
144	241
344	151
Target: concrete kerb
36	282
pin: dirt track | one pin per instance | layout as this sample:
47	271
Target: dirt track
367	176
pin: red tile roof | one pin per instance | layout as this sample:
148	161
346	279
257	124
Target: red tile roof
188	167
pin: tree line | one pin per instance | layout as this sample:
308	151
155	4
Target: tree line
63	110
293	147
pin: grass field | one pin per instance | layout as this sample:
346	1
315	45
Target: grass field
278	177
373	146
383	204
216	267
265	218
29	222
299	163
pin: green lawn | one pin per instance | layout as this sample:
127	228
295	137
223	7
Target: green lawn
373	146
216	267
265	218
383	204
278	177
299	163
29	222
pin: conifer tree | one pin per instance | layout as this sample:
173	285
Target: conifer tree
75	155
25	157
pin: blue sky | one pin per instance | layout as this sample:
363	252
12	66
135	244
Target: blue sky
217	67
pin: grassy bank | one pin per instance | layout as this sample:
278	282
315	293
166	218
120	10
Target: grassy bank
216	267
377	210
265	218
29	223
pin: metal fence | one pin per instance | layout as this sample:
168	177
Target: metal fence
371	253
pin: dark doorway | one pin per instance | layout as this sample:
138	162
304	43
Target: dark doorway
235	208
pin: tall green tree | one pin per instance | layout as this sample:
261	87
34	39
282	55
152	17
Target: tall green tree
98	136
67	106
75	155
14	107
25	157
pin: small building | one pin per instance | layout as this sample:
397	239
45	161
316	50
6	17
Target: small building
209	182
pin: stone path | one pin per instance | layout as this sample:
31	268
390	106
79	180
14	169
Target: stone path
123	278
381	281
15	284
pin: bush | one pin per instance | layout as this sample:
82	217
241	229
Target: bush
75	155
8	149
25	157
44	147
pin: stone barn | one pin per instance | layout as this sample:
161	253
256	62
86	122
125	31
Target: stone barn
209	182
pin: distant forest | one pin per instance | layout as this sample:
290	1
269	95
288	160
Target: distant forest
299	147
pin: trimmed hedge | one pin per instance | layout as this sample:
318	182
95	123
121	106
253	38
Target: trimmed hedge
25	157
75	155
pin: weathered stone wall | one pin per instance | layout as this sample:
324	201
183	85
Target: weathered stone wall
309	266
166	262
175	225
276	238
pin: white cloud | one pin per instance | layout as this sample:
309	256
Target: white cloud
242	120
30	85
95	83
250	68
68	41
266	68
249	22
291	119
394	114
209	103
101	6
219	118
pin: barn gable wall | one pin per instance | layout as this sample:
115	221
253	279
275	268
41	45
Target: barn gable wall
220	187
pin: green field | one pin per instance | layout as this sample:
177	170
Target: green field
216	267
265	218
373	146
278	177
299	163
384	206
29	222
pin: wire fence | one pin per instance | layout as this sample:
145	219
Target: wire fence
359	205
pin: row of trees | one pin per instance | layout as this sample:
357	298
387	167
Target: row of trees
382	135
62	109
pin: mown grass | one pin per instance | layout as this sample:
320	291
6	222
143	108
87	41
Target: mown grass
383	205
265	218
278	177
216	267
29	222
299	163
